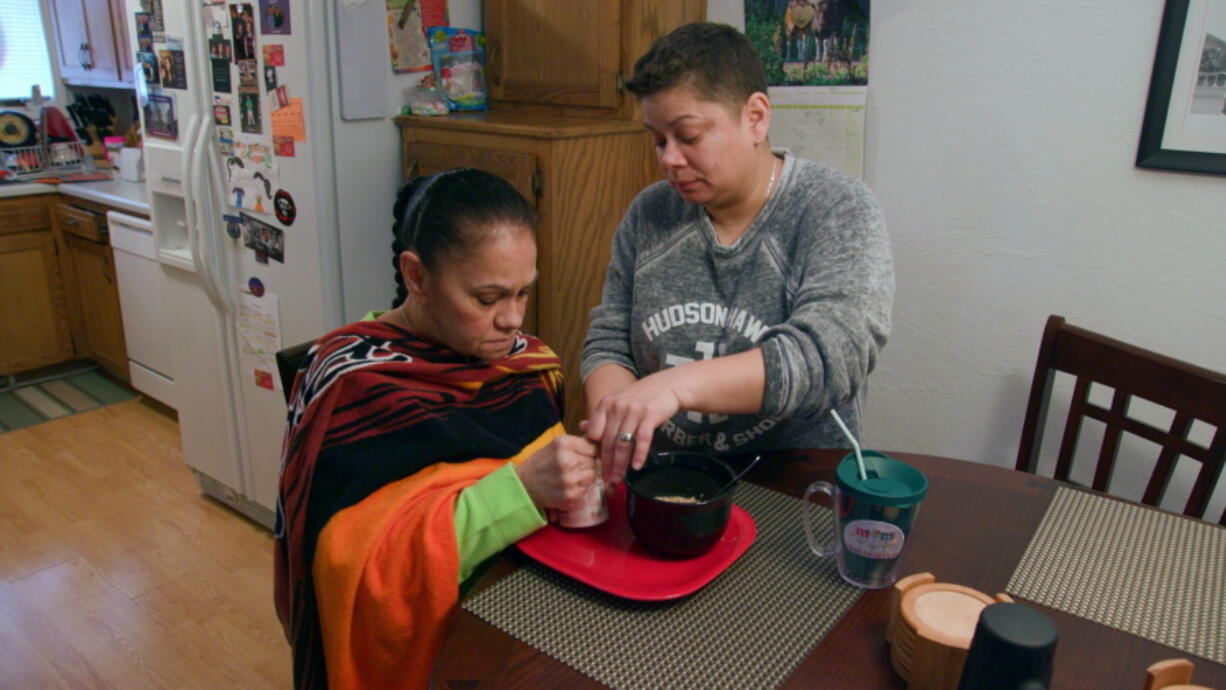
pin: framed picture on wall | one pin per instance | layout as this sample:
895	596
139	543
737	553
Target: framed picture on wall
1185	116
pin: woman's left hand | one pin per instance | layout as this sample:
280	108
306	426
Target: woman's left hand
624	421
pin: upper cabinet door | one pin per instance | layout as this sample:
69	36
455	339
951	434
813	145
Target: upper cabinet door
85	43
562	53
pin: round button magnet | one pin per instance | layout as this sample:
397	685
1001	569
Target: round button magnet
284	205
255	286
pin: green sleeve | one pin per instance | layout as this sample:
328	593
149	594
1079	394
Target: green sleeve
491	515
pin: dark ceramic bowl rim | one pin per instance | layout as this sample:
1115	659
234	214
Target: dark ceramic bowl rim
633	475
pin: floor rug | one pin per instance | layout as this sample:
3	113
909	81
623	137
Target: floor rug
41	401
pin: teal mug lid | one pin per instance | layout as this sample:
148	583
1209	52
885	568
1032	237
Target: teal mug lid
890	482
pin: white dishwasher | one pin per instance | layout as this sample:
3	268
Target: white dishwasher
140	299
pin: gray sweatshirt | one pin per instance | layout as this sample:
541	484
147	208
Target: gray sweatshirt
810	282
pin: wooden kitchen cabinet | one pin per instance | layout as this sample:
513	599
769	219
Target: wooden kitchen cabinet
34	325
89	278
581	174
91	42
571	58
93	272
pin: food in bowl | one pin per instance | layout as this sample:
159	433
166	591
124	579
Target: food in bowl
679	499
679	502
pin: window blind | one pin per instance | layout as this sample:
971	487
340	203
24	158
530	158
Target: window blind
23	51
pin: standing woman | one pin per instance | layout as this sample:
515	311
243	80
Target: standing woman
749	292
420	443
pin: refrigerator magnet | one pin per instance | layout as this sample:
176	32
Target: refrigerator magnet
282	95
234	227
242	22
263	379
172	68
249	111
284	146
149	67
274	54
221	114
274	17
246	74
156	20
283	204
255	286
221	74
270	77
267	240
144	26
219	48
160	118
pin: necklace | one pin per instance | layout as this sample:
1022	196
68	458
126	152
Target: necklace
770	186
404	314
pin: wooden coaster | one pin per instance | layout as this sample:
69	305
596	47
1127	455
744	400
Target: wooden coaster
930	629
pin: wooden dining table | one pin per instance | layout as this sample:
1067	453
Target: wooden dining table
973	529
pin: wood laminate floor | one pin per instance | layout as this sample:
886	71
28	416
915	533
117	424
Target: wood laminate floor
116	572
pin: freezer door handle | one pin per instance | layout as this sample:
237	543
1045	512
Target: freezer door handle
198	215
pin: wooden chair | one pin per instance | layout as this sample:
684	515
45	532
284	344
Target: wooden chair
1194	393
288	361
1172	674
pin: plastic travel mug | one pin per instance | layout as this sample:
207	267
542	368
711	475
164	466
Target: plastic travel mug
872	517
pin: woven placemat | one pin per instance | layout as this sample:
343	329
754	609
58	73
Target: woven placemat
1156	575
748	628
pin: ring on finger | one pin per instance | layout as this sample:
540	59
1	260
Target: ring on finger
625	437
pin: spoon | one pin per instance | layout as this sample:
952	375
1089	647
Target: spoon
738	475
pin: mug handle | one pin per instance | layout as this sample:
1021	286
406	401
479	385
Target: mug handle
806	512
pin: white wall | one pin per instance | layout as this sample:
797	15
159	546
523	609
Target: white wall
1001	140
1002	137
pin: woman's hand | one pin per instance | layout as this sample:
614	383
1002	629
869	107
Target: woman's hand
557	475
632	412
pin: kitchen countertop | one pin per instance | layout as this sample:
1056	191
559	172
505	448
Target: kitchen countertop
126	196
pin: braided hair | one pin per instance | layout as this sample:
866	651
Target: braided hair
446	215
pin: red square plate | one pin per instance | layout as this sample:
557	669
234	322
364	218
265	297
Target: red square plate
609	558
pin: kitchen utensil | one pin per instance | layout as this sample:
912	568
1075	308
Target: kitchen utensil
872	517
930	629
16	129
1014	647
679	501
741	473
56	125
610	558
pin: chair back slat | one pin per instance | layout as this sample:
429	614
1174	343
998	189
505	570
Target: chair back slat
1072	429
1155	490
1194	393
1210	473
1111	441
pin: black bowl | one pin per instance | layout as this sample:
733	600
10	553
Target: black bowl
680	528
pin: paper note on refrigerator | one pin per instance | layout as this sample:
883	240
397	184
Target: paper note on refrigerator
287	121
259	328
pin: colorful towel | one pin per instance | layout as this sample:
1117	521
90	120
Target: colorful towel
384	431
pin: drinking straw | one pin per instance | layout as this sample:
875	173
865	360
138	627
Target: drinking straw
859	458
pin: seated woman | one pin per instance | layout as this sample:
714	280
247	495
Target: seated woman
420	443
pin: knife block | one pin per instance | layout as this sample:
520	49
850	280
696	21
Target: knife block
95	149
930	629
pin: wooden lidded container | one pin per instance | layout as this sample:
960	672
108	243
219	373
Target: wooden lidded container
930	629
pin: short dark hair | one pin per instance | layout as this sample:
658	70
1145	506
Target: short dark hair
715	60
440	215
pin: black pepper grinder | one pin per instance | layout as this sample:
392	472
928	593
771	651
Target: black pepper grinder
1012	649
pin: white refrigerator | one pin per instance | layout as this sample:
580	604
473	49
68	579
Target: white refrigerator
272	163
